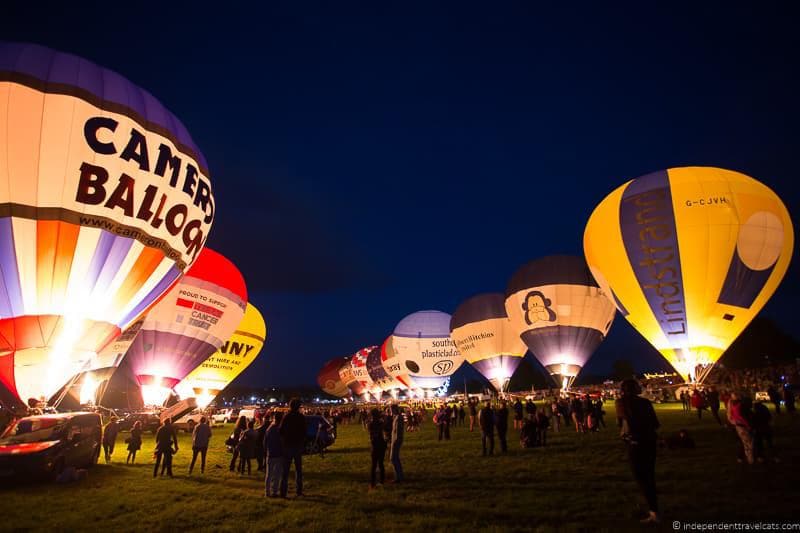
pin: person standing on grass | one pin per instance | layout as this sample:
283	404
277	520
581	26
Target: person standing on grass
698	403
377	446
110	438
713	403
578	415
486	423
501	422
473	414
739	415
441	422
293	439
165	438
638	425
233	440
684	400
518	417
530	408
260	451
247	447
134	442
788	399
462	415
398	431
274	451
775	398
201	436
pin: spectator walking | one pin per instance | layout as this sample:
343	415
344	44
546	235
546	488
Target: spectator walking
201	436
398	430
110	438
293	438
486	423
134	442
275	457
165	439
377	445
638	425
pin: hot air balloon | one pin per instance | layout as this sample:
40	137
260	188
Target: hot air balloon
358	363
690	256
206	381
329	379
482	332
188	325
560	312
349	379
424	353
104	202
383	381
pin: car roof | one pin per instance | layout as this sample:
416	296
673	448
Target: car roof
60	416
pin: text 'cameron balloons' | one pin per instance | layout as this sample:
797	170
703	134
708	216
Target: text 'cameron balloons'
188	325
691	255
358	363
329	379
104	202
483	333
218	371
560	312
426	354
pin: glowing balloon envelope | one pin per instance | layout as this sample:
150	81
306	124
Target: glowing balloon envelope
358	364
560	312
188	325
206	381
424	351
348	377
104	202
329	379
690	255
384	382
482	332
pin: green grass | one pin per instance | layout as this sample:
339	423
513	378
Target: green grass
578	481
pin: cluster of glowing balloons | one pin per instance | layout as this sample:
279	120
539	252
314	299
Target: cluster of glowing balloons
105	208
687	255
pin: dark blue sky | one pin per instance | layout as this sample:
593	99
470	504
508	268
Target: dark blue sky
373	159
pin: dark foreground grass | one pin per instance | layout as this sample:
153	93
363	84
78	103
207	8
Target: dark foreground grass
578	481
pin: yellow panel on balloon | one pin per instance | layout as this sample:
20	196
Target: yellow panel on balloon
690	255
219	370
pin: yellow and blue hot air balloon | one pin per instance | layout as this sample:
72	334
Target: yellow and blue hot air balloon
690	255
560	312
482	332
206	381
104	202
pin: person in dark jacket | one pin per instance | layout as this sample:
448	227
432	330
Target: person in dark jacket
398	430
134	442
638	425
378	446
110	438
275	457
518	416
501	422
165	438
201	436
486	423
260	450
233	440
473	413
247	447
712	397
293	438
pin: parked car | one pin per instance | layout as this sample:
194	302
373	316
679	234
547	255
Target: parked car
150	421
188	422
319	434
226	416
43	445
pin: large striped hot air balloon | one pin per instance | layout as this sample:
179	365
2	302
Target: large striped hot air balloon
358	364
206	381
423	353
384	382
104	202
691	255
560	312
349	379
483	333
330	380
189	324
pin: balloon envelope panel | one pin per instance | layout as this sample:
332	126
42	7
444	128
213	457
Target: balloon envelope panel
189	324
358	363
383	380
329	379
95	218
421	343
560	312
233	357
482	332
691	255
348	377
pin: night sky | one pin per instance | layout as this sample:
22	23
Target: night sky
374	159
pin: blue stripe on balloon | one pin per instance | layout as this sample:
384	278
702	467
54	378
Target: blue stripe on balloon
172	274
101	252
109	259
11	303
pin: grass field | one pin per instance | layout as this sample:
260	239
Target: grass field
578	481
